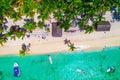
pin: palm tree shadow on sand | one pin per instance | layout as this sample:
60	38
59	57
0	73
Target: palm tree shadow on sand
70	45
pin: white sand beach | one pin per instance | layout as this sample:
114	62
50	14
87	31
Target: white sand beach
95	40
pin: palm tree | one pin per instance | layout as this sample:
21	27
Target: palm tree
40	24
30	26
20	2
15	16
99	18
16	32
20	33
1	29
22	53
44	10
26	7
72	47
65	11
58	14
5	8
82	23
24	49
65	24
89	29
3	39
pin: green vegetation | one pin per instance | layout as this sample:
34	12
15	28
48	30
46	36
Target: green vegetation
30	26
65	11
24	49
72	47
23	52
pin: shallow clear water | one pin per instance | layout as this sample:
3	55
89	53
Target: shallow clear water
65	64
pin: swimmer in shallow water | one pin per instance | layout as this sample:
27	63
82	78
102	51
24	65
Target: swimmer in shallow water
80	70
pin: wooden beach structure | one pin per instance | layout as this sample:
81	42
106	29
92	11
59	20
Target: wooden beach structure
56	30
103	26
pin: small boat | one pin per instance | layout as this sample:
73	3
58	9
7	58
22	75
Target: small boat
111	69
50	59
16	70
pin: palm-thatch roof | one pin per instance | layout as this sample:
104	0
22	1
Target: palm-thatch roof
103	26
56	30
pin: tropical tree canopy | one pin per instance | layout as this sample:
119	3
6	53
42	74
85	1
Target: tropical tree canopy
64	11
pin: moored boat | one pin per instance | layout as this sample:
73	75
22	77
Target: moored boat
16	70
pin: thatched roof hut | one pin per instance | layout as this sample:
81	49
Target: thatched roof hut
103	26
56	30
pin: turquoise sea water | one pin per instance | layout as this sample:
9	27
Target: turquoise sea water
65	64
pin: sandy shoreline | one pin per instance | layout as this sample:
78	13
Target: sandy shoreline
95	40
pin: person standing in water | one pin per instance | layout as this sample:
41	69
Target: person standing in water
50	59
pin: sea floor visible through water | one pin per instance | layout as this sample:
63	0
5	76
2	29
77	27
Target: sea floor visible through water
65	65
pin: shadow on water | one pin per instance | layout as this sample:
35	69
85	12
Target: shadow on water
1	75
102	57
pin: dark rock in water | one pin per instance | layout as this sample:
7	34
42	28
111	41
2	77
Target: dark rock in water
104	57
1	73
101	70
41	60
117	79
